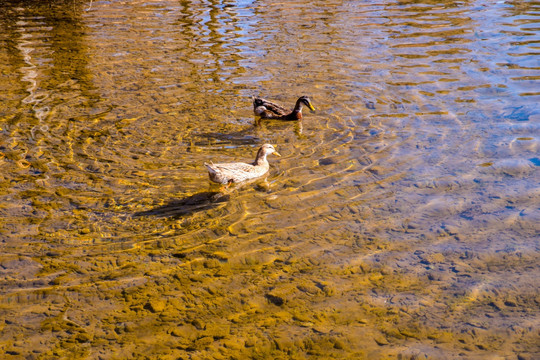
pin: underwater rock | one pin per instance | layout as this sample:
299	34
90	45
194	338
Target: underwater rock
381	341
187	331
217	331
155	306
283	293
512	167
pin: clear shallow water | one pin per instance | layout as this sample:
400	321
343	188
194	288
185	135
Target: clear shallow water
401	220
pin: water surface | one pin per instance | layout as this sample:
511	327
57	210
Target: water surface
400	222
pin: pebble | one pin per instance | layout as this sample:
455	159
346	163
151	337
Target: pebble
155	306
381	341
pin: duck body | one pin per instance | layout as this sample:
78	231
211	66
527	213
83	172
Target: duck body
266	109
226	173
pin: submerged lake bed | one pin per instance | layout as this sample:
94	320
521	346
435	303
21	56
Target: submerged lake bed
401	221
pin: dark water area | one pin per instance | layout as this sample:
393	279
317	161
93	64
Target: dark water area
402	220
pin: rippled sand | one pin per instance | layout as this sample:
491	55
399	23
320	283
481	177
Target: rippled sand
400	222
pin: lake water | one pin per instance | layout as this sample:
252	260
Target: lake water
402	220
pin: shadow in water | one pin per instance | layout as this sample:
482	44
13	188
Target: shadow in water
250	135
187	206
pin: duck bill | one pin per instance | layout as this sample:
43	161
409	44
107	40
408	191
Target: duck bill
276	153
311	107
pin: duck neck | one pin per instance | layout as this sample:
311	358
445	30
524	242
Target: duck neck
261	158
298	106
297	112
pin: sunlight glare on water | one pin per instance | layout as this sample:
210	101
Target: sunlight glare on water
400	221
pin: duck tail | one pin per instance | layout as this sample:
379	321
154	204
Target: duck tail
210	168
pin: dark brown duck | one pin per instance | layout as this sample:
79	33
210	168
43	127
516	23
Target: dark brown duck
265	109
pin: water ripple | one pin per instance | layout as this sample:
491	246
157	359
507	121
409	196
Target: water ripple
409	194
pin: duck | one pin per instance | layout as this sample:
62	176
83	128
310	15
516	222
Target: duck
265	109
227	173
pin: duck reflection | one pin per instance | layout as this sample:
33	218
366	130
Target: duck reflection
237	138
189	205
276	125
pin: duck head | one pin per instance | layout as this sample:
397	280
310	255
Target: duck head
268	149
305	101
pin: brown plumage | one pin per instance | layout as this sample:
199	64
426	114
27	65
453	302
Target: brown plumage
265	109
226	173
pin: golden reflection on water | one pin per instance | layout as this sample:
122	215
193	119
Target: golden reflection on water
401	221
